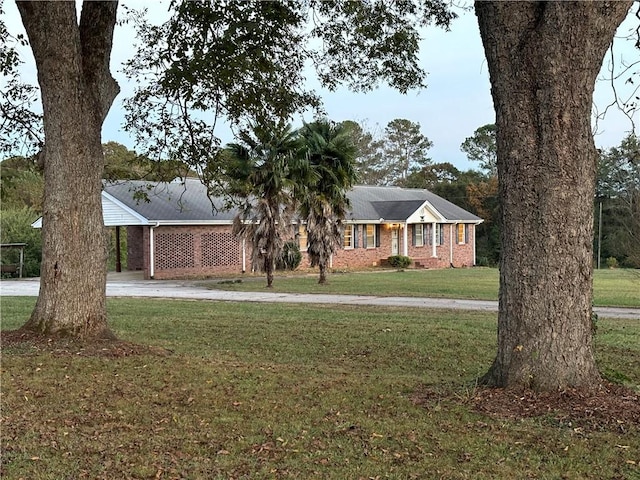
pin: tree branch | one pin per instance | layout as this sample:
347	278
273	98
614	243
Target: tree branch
97	21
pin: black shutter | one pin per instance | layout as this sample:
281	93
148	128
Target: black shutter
413	235
378	235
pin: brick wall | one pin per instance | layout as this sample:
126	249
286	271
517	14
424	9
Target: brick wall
200	251
196	251
135	248
462	253
365	257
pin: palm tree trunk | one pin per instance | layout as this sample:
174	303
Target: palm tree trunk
323	273
268	268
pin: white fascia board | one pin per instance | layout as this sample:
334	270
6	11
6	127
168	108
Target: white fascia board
178	223
369	222
141	220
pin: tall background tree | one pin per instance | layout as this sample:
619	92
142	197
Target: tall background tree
369	155
618	192
330	153
482	194
543	60
481	147
405	150
389	157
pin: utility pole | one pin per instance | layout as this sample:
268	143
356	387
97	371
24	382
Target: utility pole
599	233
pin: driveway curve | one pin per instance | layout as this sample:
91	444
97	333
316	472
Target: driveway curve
193	291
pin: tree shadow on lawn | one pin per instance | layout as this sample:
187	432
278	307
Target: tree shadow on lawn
607	407
24	341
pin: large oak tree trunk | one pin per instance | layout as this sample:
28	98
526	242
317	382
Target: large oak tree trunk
543	60
77	91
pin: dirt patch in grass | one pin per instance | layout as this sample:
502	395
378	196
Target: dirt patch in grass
28	342
611	407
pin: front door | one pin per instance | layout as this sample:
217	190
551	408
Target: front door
394	242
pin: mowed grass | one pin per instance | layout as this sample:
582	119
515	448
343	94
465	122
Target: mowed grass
269	391
612	288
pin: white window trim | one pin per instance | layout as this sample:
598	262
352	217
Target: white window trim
352	229
464	234
366	234
421	242
438	234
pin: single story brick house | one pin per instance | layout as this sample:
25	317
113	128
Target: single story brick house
175	230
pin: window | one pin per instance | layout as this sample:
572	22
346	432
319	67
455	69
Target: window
418	235
370	236
439	234
348	237
461	233
302	237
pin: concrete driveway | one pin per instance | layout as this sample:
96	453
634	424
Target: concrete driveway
128	286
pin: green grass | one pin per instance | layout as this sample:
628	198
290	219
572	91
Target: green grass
287	391
612	288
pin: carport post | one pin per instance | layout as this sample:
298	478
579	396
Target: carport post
118	253
21	262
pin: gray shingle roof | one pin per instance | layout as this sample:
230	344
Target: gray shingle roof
395	203
174	202
187	201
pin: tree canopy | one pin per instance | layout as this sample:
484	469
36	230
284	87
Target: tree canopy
263	173
481	147
244	63
20	127
330	153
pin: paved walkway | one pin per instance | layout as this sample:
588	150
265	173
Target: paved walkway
194	291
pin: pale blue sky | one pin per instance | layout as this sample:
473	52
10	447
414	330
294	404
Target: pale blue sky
455	103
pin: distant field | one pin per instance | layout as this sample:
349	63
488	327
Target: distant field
276	391
616	287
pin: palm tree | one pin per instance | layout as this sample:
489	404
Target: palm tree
331	154
262	170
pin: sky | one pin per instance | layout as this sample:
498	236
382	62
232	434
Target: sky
457	99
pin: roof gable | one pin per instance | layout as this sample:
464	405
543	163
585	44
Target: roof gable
396	211
116	213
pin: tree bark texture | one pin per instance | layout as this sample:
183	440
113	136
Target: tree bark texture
77	91
543	60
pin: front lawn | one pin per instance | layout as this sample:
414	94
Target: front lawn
612	288
270	391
